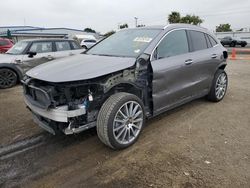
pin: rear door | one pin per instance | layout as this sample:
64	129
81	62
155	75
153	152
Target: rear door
172	71
205	60
44	50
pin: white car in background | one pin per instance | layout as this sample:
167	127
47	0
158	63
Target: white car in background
88	43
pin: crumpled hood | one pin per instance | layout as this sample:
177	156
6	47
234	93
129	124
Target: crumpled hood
7	58
79	67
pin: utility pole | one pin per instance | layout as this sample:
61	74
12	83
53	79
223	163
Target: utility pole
136	19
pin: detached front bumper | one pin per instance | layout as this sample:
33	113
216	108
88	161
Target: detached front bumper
46	119
59	114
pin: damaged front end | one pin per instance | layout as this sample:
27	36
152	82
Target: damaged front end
61	107
72	107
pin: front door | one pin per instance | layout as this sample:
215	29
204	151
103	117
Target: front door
172	70
44	53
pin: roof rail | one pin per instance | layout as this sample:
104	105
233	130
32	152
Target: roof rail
165	27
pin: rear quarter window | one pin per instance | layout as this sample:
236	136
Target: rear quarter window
198	40
75	45
212	40
62	46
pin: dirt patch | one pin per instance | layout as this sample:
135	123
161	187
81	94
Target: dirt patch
15	120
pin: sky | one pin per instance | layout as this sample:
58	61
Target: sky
106	15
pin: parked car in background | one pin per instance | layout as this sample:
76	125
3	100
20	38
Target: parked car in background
27	54
130	76
229	41
88	43
5	45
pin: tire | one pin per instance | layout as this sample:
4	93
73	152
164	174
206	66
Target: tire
232	44
243	45
8	78
84	47
113	129
219	86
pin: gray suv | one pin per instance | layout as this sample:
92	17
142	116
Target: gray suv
131	76
27	54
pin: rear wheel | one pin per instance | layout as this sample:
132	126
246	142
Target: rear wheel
84	47
8	78
219	86
120	120
243	45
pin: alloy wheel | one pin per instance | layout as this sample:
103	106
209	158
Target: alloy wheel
128	122
7	78
221	86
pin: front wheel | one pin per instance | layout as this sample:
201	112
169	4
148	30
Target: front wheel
219	86
233	44
120	120
8	78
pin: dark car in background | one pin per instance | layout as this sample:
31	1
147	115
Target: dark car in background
130	76
5	45
229	41
27	54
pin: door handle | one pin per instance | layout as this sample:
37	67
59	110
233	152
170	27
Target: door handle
18	61
188	62
214	56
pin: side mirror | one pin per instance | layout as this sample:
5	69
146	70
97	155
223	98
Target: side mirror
31	54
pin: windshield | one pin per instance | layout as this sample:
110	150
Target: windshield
125	43
18	48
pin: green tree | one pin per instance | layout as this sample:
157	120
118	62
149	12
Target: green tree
191	19
174	17
89	30
109	34
223	28
123	26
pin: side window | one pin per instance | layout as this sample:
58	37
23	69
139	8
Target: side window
41	47
212	40
63	46
198	40
75	45
175	43
3	43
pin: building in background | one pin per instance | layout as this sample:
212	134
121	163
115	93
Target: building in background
17	33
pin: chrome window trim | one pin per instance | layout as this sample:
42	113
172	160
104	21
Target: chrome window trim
151	56
184	28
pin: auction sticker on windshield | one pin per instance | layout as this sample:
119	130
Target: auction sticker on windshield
143	39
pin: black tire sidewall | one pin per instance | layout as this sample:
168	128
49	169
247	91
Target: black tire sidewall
111	137
14	83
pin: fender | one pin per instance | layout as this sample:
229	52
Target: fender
222	65
15	68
